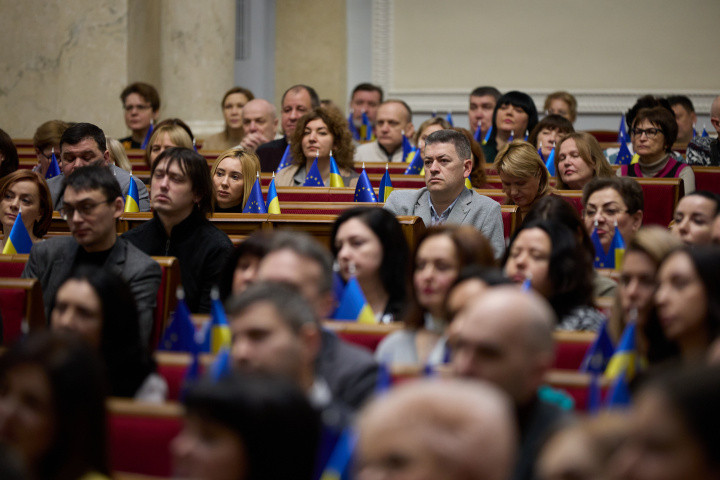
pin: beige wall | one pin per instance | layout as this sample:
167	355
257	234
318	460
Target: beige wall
311	47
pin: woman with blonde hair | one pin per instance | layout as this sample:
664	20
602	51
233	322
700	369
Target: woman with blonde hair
233	175
232	104
578	160
523	174
171	132
561	103
118	155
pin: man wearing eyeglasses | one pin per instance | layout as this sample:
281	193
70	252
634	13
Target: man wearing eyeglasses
141	103
93	202
84	144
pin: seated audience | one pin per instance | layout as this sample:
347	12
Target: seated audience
547	133
431	125
525	179
445	199
365	98
232	170
478	177
259	123
92	204
685	117
246	428
515	115
141	103
448	430
393	122
318	134
561	103
171	132
118	157
548	255
232	105
241	268
693	217
52	408
99	307
46	138
705	151
481	108
612	201
181	200
688	300
653	134
439	256
9	160
579	159
368	244
27	191
505	337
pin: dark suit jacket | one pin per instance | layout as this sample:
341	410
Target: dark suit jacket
52	262
271	153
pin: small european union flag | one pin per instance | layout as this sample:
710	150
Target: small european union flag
286	159
313	178
416	165
179	336
624	157
363	190
54	168
255	202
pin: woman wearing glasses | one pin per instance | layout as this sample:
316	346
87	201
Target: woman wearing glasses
653	133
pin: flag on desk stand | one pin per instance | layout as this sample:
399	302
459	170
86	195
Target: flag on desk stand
216	334
622	131
614	256
194	145
488	135
286	159
366	130
599	354
335	178
449	118
407	148
53	168
385	185
704	132
353	129
132	199
478	134
353	306
624	157
255	202
625	358
694	132
273	203
542	157
149	133
363	190
619	394
526	136
313	178
19	240
179	336
468	183
550	162
617	248
341	456
416	165
512	136
222	366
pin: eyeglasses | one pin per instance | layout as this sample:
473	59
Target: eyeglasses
84	209
130	108
606	212
649	132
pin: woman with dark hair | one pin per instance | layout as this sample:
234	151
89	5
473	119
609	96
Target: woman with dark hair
247	428
8	155
27	191
515	114
440	255
99	306
548	255
688	299
241	267
232	104
579	159
547	133
52	408
320	133
368	243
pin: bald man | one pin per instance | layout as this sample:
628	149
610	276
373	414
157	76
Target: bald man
259	120
444	430
705	151
505	337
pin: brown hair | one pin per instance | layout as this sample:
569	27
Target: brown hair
565	97
591	153
48	134
662	118
342	149
40	227
145	90
520	159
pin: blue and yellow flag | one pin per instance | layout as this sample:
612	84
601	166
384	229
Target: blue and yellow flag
335	178
614	256
619	394
366	129
19	240
53	168
468	183
617	248
416	165
313	177
353	306
132	199
221	367
527	134
273	203
255	202
149	133
217	336
625	360
622	131
488	135
478	134
341	456
363	190
286	159
407	147
542	157
179	336
385	185
449	118
599	354
694	131
353	129
624	156
550	162
512	136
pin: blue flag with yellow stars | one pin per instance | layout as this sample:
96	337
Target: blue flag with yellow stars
179	336
286	159
363	190
313	178
599	353
255	202
624	157
406	146
54	168
622	131
416	165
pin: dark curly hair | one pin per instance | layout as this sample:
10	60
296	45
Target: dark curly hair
343	149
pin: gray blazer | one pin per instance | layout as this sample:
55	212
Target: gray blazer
471	208
52	262
123	178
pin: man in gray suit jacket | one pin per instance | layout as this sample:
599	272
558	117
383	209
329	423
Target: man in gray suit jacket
92	203
84	144
448	162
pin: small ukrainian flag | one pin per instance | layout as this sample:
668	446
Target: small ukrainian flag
353	305
335	178
19	240
386	186
132	199
273	203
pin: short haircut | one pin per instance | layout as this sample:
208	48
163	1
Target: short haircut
196	168
248	94
457	139
307	247
292	308
711	196
10	161
80	131
368	87
551	122
628	188
565	97
486	91
646	101
145	90
403	103
681	100
664	119
48	134
40	227
94	177
314	99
